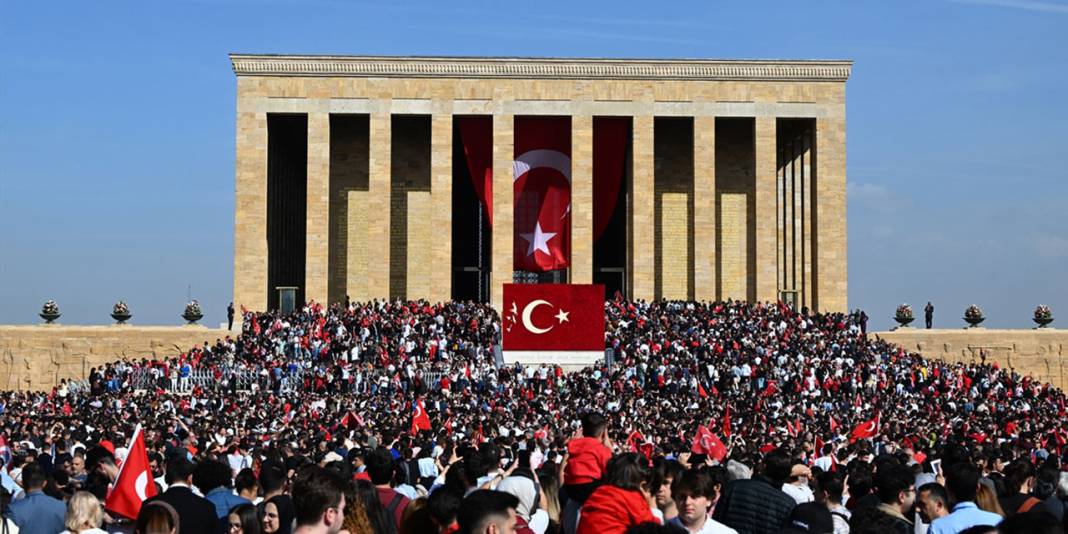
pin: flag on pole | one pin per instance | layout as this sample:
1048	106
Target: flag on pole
420	420
865	430
134	483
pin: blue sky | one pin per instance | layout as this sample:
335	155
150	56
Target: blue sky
117	133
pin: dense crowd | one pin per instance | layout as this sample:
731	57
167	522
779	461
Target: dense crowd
389	417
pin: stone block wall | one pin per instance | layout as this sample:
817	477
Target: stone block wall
1040	353
37	357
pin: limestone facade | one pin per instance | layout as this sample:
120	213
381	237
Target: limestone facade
700	205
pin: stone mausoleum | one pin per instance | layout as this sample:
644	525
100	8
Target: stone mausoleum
352	178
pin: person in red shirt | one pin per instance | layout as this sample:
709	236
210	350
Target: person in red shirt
624	500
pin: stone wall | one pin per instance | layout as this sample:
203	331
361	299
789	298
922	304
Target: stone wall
36	357
1040	353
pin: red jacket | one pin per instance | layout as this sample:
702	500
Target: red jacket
586	460
612	510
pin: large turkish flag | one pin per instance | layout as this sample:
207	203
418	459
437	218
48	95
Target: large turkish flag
542	174
553	317
134	483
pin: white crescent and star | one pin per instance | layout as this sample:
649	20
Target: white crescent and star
141	485
538	240
561	316
537	159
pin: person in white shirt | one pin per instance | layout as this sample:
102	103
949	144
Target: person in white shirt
694	493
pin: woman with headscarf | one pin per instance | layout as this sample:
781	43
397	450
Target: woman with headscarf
529	518
278	514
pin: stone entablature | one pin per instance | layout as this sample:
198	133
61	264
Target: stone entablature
548	68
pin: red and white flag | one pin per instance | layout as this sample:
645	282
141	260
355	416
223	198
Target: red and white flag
865	430
705	442
420	420
541	173
553	317
134	483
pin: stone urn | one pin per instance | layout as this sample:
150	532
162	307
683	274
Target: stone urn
1043	316
192	313
121	312
904	316
973	316
50	312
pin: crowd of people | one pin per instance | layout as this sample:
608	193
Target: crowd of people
388	417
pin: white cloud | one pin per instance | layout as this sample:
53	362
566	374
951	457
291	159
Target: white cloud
876	197
1026	5
1050	246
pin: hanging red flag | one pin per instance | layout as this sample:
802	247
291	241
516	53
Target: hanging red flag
477	136
541	174
865	430
834	425
727	422
701	390
134	483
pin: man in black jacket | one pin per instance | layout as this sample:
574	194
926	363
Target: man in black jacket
758	505
197	513
897	492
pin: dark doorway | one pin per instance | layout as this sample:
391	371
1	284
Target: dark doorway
470	230
287	203
610	250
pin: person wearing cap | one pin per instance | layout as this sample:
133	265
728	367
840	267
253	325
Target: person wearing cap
693	493
810	518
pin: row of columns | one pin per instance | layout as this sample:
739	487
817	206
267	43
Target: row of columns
250	242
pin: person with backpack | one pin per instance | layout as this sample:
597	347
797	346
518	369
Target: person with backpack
380	467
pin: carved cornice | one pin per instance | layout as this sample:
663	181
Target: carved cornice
544	68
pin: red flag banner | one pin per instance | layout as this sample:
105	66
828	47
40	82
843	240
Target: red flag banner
542	180
477	135
865	430
553	317
134	483
727	422
420	420
609	161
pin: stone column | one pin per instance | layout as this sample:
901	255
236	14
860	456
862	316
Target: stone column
766	221
316	274
441	206
250	213
830	216
378	204
704	208
642	206
503	261
582	199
